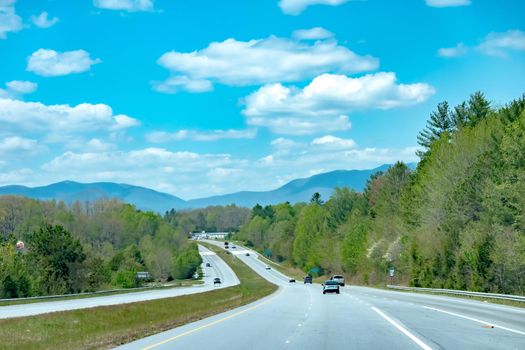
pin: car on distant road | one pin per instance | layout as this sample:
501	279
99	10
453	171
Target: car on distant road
216	280
308	279
267	267
247	254
339	279
292	280
208	265
331	286
234	247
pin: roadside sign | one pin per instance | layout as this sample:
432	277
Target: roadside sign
391	272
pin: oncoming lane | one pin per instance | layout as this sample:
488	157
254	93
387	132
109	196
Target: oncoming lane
218	269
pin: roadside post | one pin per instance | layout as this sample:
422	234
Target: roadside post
391	272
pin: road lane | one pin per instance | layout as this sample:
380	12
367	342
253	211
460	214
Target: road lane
299	316
218	269
419	313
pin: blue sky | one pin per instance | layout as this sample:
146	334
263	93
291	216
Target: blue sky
200	97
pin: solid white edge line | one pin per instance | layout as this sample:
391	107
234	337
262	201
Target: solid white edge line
403	330
475	320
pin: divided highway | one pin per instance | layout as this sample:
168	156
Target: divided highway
299	316
218	269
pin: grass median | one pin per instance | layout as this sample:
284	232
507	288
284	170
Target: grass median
109	326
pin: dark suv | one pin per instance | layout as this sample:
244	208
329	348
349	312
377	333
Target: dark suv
331	286
308	279
216	280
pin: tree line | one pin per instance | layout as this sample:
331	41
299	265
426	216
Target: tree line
86	247
456	221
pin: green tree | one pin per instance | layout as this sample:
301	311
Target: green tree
53	251
440	122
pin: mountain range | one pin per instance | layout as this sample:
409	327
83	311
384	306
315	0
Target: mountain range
299	190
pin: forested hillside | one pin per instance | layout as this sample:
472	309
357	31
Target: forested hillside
86	247
457	221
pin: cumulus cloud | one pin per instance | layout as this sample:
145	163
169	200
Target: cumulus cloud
456	51
9	20
195	135
182	83
295	7
447	3
58	121
14	89
334	142
125	5
49	63
499	44
494	44
315	33
43	20
241	63
15	143
96	144
323	105
190	174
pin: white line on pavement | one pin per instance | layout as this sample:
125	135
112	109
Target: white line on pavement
403	330
475	320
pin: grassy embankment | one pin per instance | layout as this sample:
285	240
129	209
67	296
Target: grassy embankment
109	326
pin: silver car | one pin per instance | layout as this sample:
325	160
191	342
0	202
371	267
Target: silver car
339	279
331	286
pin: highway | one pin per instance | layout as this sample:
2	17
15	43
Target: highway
299	316
218	269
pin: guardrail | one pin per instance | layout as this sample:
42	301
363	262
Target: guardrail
82	294
462	292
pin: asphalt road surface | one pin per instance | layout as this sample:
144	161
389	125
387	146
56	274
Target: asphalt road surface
299	316
218	269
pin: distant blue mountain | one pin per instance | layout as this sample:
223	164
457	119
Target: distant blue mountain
299	190
70	191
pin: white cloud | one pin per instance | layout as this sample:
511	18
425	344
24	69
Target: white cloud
178	83
15	143
447	3
456	51
16	88
43	20
323	105
333	142
315	33
125	5
49	63
498	44
191	175
96	144
195	135
22	87
58	121
295	7
9	20
241	63
182	173
494	44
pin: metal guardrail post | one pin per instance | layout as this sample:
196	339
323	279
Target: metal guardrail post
462	292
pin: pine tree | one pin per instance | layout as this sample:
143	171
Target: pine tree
478	108
459	115
440	122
